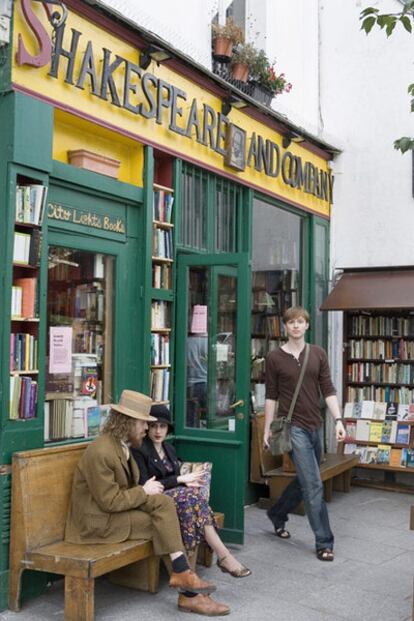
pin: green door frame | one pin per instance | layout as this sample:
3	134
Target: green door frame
227	450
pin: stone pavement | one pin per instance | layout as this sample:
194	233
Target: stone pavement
370	579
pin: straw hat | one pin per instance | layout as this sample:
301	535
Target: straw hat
134	404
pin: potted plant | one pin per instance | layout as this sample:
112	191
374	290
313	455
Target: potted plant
225	36
242	61
266	83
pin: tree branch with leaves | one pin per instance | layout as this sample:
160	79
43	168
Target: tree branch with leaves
371	17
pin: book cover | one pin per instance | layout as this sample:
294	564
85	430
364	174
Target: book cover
403	460
391	411
93	421
89	379
380	408
21	248
395	457
367	409
356	410
205	467
375	432
350	429
410	415
386	431
362	430
348	409
409	457
28	287
402	412
403	434
383	454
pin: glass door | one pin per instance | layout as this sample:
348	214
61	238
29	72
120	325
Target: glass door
212	370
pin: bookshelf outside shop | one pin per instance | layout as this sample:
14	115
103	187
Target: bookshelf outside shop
113	277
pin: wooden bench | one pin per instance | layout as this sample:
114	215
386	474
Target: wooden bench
41	487
335	469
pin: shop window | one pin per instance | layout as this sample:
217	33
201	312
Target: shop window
320	288
276	284
79	342
207	199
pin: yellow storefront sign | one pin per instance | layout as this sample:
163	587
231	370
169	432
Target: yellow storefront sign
95	75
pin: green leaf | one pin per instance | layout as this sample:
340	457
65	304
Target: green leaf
390	26
368	11
368	24
412	105
406	22
404	144
410	89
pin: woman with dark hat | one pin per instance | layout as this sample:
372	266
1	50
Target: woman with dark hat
158	458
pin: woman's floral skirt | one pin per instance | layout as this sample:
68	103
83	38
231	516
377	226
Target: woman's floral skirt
193	513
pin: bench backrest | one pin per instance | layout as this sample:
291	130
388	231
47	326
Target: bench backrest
262	461
41	488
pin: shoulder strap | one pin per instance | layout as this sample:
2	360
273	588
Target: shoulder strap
299	384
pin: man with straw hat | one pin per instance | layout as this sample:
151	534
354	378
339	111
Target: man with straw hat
108	505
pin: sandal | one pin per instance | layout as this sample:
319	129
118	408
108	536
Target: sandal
282	533
325	554
243	572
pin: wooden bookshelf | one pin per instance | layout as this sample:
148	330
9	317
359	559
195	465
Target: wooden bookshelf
378	374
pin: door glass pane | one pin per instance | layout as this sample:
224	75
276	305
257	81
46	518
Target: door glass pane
197	347
321	283
79	342
224	349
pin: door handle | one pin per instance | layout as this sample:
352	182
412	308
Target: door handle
236	404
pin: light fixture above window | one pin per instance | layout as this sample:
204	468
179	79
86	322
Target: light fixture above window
232	101
152	52
289	137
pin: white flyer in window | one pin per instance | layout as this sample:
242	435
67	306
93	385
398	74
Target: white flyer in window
222	352
60	349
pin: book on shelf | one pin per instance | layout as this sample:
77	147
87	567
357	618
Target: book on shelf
350	448
93	421
89	380
389	431
28	288
159	314
21	248
367	408
16	301
160	349
30	203
259	396
350	430
162	206
402	412
383	454
23	352
391	411
380	408
375	431
403	434
348	409
395	457
161	276
410	414
407	457
362	430
160	379
23	397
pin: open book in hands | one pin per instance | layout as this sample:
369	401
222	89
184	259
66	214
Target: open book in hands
199	466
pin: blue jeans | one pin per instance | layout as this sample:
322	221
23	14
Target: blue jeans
306	486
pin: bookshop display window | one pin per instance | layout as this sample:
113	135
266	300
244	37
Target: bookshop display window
211	368
79	342
276	284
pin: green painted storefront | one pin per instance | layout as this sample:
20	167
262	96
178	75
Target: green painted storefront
214	239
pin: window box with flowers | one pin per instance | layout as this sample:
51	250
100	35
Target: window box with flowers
225	37
242	61
265	83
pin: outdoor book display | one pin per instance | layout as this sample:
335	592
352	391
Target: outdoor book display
29	211
379	390
79	337
273	292
162	261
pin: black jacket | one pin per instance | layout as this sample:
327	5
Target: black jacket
150	464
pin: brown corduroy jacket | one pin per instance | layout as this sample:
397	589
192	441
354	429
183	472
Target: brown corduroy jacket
103	494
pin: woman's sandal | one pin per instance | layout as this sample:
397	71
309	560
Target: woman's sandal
243	572
325	554
282	533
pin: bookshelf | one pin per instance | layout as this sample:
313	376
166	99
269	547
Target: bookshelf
273	291
79	342
162	295
378	391
30	200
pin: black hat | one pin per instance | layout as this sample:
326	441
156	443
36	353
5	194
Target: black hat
161	413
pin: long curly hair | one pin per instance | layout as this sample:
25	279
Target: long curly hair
119	425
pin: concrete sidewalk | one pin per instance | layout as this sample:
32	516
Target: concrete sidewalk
370	579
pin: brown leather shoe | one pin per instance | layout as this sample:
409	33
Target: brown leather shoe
202	605
189	581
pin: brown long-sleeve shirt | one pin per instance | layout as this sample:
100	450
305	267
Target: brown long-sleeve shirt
282	374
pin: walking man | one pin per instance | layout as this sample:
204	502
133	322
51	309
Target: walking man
283	368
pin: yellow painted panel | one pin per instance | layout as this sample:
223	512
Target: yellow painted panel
71	132
102	111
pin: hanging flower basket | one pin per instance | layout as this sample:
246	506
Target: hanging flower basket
240	71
